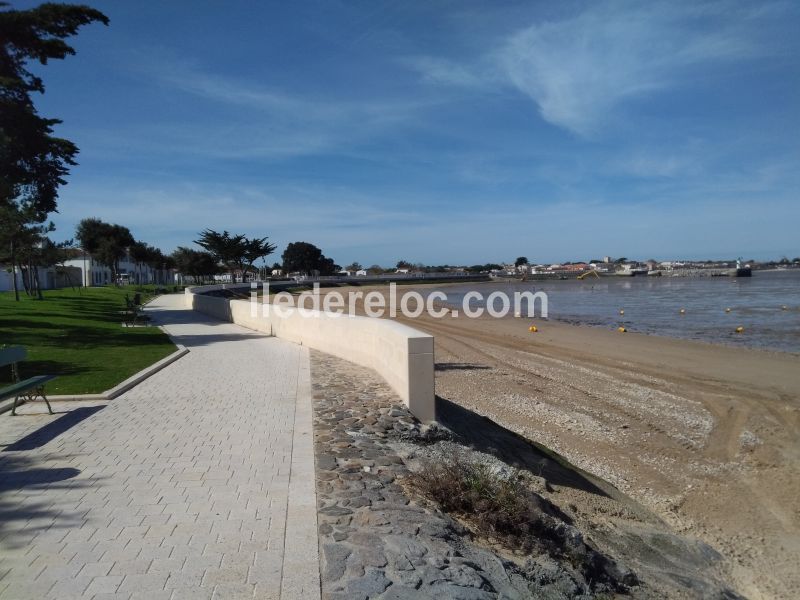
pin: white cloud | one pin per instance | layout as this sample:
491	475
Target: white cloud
578	70
250	120
443	71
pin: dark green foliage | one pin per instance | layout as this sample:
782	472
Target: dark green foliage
306	258
195	263
106	242
33	162
235	252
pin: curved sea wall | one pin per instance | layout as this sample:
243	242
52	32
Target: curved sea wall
401	355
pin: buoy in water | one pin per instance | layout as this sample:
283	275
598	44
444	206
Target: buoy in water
682	311
622	329
784	307
533	329
621	311
740	329
728	309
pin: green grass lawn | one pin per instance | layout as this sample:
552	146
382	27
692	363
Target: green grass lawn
77	335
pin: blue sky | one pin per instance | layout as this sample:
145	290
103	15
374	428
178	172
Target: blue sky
440	132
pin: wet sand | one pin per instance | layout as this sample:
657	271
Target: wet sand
705	436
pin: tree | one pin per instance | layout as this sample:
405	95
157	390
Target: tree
353	266
403	264
33	163
234	251
106	242
255	248
198	264
307	258
521	261
224	247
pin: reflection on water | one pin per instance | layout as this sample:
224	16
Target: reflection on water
652	305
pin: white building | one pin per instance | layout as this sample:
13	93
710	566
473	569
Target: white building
93	272
50	278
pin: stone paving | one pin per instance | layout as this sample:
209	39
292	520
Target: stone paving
375	541
379	539
197	483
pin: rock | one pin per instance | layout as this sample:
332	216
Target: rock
368	586
326	462
402	592
447	591
372	557
358	502
335	558
335	511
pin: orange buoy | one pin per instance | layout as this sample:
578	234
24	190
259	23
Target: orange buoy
622	329
533	329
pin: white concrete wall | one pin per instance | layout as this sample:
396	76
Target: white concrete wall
401	355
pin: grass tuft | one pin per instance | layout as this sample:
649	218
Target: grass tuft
498	505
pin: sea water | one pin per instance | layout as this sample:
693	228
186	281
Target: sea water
653	305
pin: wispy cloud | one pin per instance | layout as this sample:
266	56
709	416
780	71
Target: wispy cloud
248	119
579	69
443	71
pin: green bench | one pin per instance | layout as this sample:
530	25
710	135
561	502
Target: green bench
27	389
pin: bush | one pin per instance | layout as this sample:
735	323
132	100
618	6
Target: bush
498	504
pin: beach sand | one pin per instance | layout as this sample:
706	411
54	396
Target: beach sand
707	437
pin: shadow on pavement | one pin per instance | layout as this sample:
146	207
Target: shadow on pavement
14	480
52	430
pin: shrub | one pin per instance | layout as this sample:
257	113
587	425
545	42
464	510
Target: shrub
498	504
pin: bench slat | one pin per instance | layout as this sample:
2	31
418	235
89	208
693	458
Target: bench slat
12	354
16	389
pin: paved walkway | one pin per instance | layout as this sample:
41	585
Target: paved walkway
197	483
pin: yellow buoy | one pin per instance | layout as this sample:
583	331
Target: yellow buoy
622	312
683	311
740	329
728	309
533	329
622	330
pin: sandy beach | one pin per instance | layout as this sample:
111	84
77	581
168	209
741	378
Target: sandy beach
707	437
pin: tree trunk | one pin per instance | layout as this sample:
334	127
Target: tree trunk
25	274
37	283
14	269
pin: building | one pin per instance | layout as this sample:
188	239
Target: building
91	272
50	278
